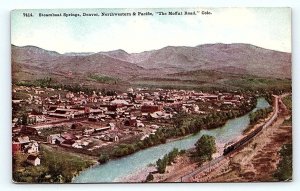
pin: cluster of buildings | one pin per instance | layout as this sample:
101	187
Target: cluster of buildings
25	145
96	120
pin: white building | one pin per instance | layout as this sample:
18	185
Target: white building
33	160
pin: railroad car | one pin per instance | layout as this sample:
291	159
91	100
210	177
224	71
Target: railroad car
242	141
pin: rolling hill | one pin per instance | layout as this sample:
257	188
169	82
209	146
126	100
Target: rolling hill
30	62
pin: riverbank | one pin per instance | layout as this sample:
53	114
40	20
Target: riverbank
259	123
183	164
122	169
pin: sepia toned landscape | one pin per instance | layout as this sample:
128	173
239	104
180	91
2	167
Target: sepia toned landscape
214	112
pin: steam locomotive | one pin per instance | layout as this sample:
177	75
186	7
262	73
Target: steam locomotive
241	142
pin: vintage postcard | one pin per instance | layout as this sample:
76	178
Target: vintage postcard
151	95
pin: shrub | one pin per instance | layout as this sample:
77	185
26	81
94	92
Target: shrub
150	177
103	158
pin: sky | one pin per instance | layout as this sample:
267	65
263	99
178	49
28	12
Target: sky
264	27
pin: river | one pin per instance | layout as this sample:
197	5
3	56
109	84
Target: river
114	170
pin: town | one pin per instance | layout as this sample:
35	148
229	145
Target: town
85	123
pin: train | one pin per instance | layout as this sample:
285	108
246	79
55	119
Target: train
245	139
241	142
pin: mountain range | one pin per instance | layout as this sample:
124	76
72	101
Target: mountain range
30	62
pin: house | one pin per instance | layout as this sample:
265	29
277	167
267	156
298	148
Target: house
161	115
68	136
67	113
150	108
130	90
96	111
144	137
111	107
156	115
62	112
33	160
28	131
195	108
55	139
140	125
37	118
119	102
69	95
102	129
85	143
39	92
210	97
76	145
17	101
79	144
16	147
110	137
112	126
88	131
115	138
68	142
130	122
32	147
144	116
154	126
23	140
93	118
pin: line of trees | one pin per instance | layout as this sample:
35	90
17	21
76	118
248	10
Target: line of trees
259	114
49	83
188	124
159	137
161	164
25	120
205	148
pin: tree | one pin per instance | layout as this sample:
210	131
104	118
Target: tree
150	177
172	155
25	119
206	147
161	165
103	158
285	167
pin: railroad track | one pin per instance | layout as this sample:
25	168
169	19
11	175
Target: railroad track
239	144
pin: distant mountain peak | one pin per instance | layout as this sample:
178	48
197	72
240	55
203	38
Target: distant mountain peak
35	49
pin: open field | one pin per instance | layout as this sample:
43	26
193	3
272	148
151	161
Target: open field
58	166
